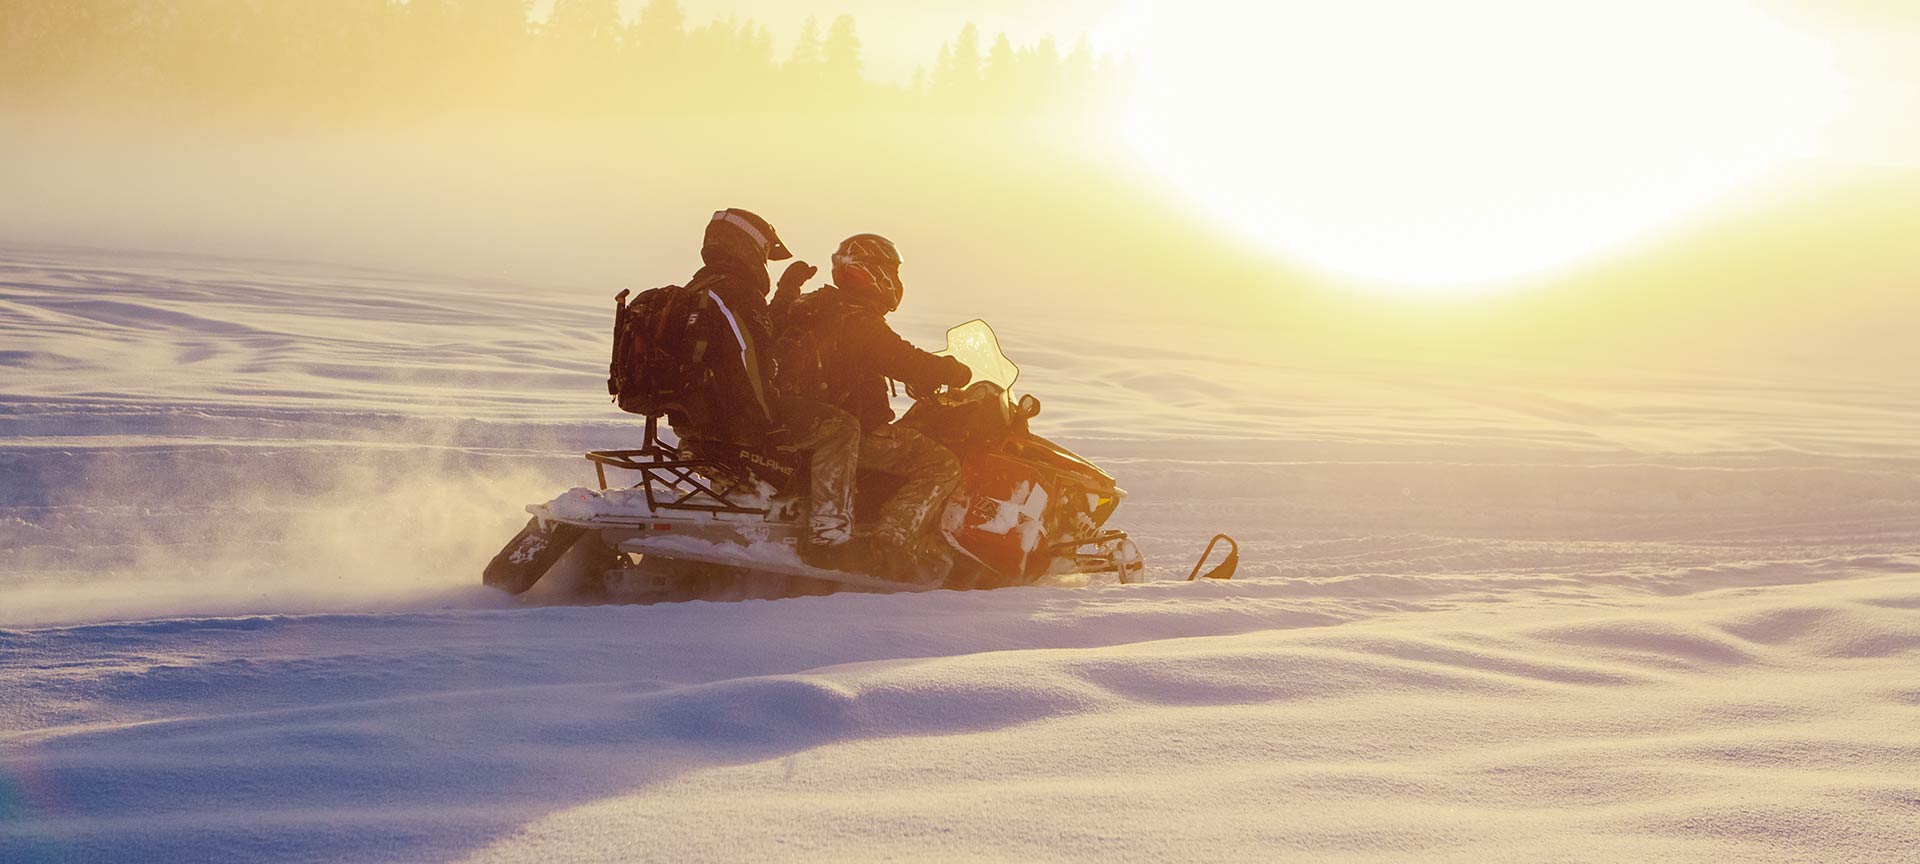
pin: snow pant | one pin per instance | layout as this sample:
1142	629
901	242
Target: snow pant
931	473
831	437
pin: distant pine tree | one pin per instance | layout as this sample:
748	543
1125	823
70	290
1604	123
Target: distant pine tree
840	58
660	33
1001	77
585	23
353	56
1078	69
966	57
807	50
945	76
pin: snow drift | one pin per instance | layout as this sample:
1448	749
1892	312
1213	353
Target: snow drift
1487	615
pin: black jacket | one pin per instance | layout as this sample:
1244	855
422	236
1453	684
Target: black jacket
736	406
857	352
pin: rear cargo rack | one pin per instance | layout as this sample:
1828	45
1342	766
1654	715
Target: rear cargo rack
672	483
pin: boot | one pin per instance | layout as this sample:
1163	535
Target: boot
850	556
896	561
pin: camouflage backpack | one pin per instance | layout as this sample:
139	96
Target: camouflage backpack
659	349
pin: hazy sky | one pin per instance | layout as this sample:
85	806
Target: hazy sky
897	36
1878	40
1256	213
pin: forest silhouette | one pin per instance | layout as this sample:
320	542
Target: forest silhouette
367	59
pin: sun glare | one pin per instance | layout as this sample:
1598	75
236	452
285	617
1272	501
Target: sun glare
1448	149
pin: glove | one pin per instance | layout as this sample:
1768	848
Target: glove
797	275
957	373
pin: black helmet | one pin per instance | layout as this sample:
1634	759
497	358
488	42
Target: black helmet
734	228
869	264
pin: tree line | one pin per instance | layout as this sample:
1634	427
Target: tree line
368	57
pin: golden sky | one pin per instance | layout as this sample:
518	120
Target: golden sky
900	35
1369	172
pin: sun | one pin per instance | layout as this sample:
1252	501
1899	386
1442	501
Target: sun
1449	149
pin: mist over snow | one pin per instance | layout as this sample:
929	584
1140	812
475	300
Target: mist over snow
1484	615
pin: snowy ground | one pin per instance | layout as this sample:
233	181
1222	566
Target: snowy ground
1490	617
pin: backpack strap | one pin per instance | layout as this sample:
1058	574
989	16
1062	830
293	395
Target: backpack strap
749	353
620	316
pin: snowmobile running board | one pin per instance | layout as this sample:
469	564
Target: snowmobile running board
723	554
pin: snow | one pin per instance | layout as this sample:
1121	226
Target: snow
585	504
1482	615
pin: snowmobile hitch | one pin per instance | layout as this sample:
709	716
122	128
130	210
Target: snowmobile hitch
1223	570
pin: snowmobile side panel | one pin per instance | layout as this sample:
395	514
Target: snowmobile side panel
999	522
763	557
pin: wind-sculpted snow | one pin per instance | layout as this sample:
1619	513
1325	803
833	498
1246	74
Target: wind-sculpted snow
1483	615
1235	719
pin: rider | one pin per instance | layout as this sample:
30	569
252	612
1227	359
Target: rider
836	346
737	413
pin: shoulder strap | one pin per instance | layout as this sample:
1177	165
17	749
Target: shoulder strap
749	353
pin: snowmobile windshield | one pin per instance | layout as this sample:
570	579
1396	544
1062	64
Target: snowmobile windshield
974	344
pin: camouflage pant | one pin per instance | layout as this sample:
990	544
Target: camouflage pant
832	437
931	473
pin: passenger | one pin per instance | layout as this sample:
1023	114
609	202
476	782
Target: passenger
735	414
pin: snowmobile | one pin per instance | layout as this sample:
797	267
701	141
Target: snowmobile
1028	511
